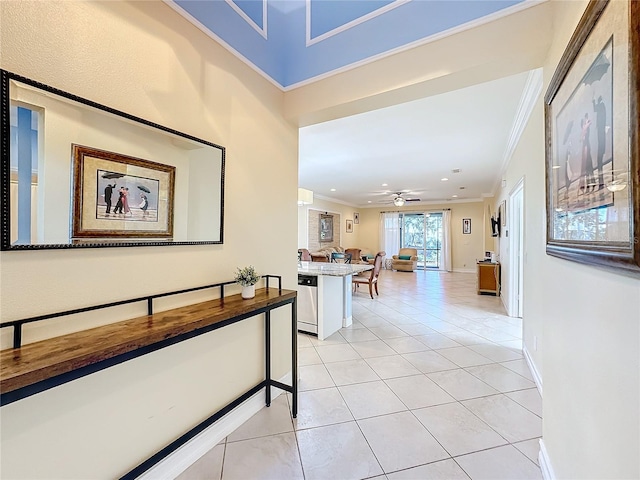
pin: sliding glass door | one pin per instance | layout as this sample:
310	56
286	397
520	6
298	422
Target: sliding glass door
423	231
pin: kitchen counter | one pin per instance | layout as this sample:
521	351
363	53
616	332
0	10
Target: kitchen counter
325	296
332	269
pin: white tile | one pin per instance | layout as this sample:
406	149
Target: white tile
464	356
497	353
508	418
376	348
208	466
520	367
461	385
406	345
270	457
333	339
304	341
312	377
530	448
430	361
445	469
392	366
417	329
502	463
371	399
500	378
337	353
457	429
418	391
308	356
529	399
336	452
351	371
268	421
357	335
466	338
388	331
400	441
321	407
437	341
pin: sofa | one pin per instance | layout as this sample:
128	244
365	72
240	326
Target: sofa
408	262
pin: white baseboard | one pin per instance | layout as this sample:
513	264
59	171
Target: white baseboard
464	270
185	456
545	463
537	378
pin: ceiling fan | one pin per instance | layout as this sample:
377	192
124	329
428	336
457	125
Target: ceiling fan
399	200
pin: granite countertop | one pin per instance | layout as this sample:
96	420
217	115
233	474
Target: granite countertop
332	269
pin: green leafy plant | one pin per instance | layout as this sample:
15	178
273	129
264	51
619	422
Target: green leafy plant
247	276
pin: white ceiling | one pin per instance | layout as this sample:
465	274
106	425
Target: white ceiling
412	146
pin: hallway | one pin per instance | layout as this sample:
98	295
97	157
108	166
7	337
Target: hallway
429	382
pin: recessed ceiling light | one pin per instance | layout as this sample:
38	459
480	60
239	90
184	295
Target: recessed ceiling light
556	167
368	201
454	196
445	179
333	189
385	184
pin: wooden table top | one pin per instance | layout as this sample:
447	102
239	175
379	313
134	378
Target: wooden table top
38	361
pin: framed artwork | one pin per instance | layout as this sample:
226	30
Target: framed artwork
349	226
503	213
117	196
466	226
326	228
356	218
592	141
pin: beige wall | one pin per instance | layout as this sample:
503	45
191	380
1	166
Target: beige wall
465	249
142	58
584	321
345	212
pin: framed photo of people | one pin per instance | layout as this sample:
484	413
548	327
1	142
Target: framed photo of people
592	141
118	196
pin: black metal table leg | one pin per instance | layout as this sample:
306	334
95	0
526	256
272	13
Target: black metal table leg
267	350
294	357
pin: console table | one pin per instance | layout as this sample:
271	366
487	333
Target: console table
36	367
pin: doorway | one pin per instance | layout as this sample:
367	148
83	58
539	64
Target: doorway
516	247
423	231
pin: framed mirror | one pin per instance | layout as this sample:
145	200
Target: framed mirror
79	174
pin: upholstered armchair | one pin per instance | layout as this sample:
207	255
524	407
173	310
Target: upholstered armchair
406	260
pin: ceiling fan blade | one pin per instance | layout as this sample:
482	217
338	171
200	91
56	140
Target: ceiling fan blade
411	199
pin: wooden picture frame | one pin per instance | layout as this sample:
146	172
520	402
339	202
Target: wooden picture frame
141	191
356	218
592	141
349	226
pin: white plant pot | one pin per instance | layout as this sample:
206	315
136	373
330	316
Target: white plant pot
249	292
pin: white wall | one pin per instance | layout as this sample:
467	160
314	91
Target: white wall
586	321
142	58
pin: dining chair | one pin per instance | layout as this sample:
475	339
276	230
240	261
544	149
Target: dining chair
345	257
304	255
372	280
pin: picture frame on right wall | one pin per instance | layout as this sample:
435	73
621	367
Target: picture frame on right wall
592	141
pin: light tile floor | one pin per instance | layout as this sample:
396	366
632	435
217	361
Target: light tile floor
428	383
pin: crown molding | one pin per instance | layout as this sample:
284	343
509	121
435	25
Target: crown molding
530	95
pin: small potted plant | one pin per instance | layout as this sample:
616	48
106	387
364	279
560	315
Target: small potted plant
247	277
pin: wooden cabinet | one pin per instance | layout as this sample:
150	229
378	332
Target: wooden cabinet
488	278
